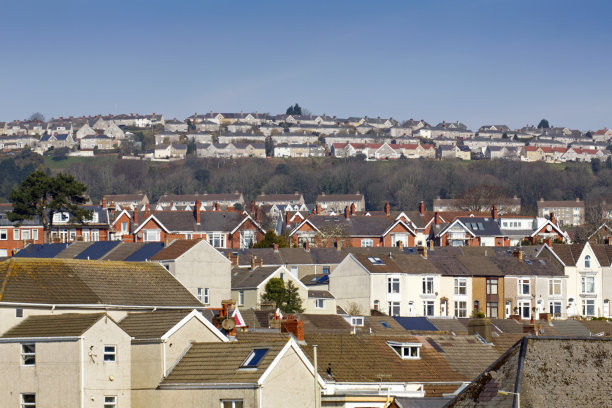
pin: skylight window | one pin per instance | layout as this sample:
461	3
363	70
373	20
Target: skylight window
375	261
385	325
407	351
253	360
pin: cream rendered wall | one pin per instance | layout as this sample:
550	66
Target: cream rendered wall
204	267
250	298
606	293
351	283
447	289
147	366
290	384
329	306
196	398
596	271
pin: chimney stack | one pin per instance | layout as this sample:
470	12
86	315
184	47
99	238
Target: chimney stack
287	218
387	209
136	216
318	209
353	209
338	245
347	214
293	326
436	218
480	326
103	202
217	206
307	246
518	253
275	246
197	212
422	208
147	211
258	215
494	212
423	251
233	257
252	207
552	218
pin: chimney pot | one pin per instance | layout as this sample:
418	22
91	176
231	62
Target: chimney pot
387	209
353	209
422	208
275	246
347	214
306	246
197	212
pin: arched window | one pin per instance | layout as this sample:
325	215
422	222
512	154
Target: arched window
587	261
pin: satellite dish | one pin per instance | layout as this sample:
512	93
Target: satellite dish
228	324
548	228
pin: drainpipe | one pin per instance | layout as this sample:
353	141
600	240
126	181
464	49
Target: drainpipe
164	358
82	340
316	383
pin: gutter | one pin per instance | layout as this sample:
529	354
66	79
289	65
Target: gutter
209	386
39	339
99	306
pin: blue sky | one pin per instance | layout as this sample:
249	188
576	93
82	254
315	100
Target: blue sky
477	61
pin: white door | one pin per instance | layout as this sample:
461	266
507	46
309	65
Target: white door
410	308
606	309
443	308
571	308
508	308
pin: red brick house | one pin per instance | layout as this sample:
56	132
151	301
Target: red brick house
14	236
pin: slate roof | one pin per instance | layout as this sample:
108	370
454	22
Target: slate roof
552	203
220	363
73	250
250	279
41	251
181	221
278	197
123	198
151	325
122	251
353	226
339	197
175	249
547	372
57	325
171	198
320	294
69	281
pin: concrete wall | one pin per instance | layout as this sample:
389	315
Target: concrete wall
350	283
192	398
290	384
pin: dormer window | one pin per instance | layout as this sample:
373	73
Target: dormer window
407	351
356	321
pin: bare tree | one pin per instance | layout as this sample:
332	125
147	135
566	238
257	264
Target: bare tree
354	309
37	117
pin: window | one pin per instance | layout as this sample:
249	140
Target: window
406	350
231	403
3	235
393	285
367	243
523	286
198	292
149	236
216	239
428	286
394	309
28	400
241	298
16	234
554	287
492	286
319	303
18	312
588	307
110	353
25	234
95	235
587	261
3	252
110	401
555	308
357	321
35	234
460	309
525	309
28	354
460	286
202	295
253	360
326	270
124	228
247	238
492	309
588	284
428	308
294	271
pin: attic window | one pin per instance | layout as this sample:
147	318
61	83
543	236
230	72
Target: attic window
253	360
357	321
407	351
375	261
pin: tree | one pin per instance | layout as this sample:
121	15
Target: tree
287	298
543	124
270	239
37	117
504	135
41	195
294	110
269	145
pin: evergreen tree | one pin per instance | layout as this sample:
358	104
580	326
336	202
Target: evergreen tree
287	298
543	124
40	194
270	239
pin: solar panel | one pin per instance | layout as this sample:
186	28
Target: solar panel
254	358
97	250
415	323
385	325
146	252
434	344
41	251
323	279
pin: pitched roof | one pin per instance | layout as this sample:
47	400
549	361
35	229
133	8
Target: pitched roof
58	325
175	250
250	279
78	282
221	362
152	325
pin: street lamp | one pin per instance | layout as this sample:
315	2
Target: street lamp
518	396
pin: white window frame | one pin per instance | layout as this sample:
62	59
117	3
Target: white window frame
235	403
460	286
110	401
367	243
554	287
460	308
552	305
95	235
150	235
357	321
407	351
16	234
587	262
394	308
3	235
428	285
521	286
111	355
23	403
206	296
198	291
319	303
28	351
125	227
241	298
216	236
586	303
3	252
25	234
524	305
429	304
35	234
393	284
585	282
247	237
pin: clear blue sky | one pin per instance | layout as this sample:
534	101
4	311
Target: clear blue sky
478	61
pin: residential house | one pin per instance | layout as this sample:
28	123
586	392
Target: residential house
295	138
51	286
566	213
57	141
204	271
336	203
168	151
504	205
83	131
496	152
279	199
242	137
16	235
206	200
119	201
69	359
602	135
298	150
175	126
115	132
100	142
199	137
66	228
167	137
59	127
239	127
